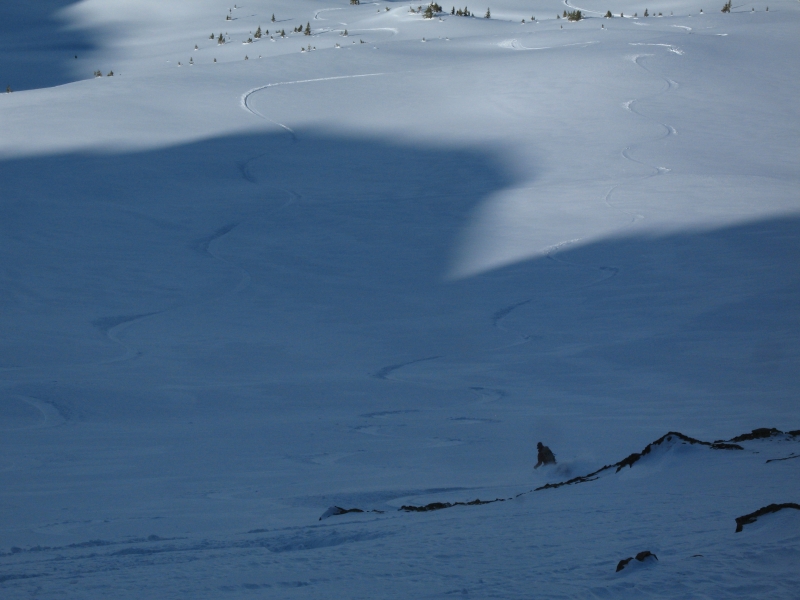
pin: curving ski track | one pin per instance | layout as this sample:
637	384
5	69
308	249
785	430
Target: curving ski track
668	129
609	272
245	98
384	372
514	44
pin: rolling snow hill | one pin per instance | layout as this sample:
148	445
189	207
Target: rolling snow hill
246	283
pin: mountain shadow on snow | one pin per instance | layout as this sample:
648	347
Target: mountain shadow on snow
37	51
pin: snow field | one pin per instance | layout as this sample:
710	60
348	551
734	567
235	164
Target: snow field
379	281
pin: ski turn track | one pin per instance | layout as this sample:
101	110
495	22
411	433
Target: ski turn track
514	44
245	98
609	272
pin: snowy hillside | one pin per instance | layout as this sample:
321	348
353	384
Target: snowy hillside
252	282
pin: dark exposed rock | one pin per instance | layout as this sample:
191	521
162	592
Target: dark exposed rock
628	461
791	456
645	554
632	459
338	510
427	507
725	446
441	505
764	510
641	557
757	434
623	563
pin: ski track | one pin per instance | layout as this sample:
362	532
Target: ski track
553	250
50	416
245	277
487	395
668	131
382	373
609	272
584	10
670	47
504	312
513	44
245	98
316	14
116	326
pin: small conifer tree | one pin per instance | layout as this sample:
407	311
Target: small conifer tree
344	33
8	89
608	14
308	29
488	14
220	39
257	34
646	14
273	18
727	7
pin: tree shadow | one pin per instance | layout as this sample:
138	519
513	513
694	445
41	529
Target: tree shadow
36	50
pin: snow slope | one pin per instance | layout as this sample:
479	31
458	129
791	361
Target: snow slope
238	293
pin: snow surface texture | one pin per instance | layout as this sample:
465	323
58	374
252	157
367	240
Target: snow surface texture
241	295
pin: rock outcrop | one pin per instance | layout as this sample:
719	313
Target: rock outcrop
764	510
643	556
